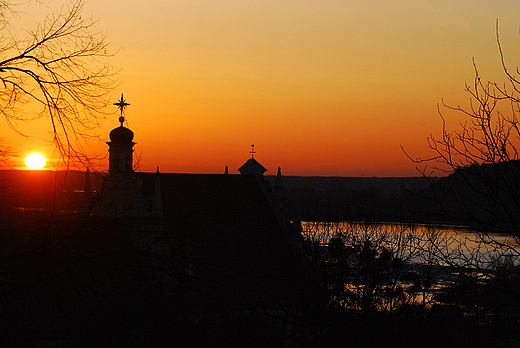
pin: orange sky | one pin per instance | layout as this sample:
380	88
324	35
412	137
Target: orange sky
323	87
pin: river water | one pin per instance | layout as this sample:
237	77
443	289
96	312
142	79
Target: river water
431	258
444	245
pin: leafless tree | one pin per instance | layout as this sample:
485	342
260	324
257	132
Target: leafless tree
490	133
482	190
59	66
376	267
481	156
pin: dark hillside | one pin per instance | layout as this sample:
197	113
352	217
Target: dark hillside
486	197
348	198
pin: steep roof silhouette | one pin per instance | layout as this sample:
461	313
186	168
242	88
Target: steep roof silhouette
252	166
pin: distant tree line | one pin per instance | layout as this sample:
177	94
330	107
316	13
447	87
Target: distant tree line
329	199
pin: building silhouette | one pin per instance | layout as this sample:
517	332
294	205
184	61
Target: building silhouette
226	230
182	247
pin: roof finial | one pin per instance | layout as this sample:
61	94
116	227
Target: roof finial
252	152
121	105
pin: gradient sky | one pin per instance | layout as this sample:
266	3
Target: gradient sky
328	87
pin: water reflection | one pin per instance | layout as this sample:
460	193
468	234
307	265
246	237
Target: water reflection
375	266
450	244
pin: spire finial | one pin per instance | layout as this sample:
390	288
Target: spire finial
121	105
252	152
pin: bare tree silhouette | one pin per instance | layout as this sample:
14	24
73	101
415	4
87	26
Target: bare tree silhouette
59	65
482	192
481	156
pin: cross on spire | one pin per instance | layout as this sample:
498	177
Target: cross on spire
121	105
252	152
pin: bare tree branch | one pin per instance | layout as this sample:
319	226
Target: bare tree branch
60	65
482	156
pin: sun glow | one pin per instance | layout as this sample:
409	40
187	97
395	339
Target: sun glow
35	161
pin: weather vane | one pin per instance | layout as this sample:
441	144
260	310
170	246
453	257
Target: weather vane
252	152
121	105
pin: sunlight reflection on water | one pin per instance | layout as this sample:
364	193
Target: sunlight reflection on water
448	244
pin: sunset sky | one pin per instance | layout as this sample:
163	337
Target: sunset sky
328	87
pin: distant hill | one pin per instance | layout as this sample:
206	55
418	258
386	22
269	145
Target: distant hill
352	198
485	197
384	184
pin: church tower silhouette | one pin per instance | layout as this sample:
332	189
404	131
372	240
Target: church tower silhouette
121	190
121	146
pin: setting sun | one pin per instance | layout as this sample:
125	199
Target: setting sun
35	161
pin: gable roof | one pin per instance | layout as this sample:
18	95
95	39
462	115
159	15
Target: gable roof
252	166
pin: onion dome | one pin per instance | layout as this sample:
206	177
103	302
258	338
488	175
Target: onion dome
121	135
